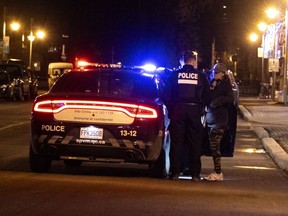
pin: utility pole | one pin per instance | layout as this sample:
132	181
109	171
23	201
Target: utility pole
31	42
4	33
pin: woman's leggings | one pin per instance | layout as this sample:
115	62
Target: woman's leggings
215	136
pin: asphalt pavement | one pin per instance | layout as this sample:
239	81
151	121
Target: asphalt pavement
270	123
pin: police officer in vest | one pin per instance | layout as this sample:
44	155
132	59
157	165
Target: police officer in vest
187	92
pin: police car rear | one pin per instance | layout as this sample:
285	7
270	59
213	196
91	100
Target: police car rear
102	114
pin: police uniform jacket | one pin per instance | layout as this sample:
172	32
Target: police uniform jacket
187	85
222	98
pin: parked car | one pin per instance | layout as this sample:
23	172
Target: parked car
105	113
7	86
56	69
25	84
13	61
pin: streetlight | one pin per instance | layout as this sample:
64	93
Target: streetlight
272	13
253	37
31	38
15	26
40	34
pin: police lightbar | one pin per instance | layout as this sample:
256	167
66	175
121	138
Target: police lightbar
86	65
148	67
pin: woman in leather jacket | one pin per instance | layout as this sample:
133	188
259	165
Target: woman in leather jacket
217	115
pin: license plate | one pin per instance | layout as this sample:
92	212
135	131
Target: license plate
91	133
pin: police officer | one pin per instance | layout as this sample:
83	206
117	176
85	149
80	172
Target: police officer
187	91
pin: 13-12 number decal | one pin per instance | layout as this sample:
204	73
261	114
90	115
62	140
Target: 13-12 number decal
132	133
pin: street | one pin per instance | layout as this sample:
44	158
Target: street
253	184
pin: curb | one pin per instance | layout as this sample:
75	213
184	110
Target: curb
244	113
261	132
271	146
276	152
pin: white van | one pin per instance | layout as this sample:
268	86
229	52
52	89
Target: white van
56	69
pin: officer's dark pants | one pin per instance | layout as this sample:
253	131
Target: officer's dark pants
186	126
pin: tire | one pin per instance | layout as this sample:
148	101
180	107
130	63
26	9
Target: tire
158	168
39	163
72	163
161	167
12	96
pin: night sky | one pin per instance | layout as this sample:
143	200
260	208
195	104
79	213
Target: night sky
123	30
131	31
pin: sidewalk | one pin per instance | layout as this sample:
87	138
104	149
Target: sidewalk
271	126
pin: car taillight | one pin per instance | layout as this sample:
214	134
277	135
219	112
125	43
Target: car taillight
146	112
48	106
132	110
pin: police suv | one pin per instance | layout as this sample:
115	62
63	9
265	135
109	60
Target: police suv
107	113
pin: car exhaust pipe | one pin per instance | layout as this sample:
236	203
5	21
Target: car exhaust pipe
52	150
130	156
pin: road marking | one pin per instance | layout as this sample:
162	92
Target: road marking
12	125
255	167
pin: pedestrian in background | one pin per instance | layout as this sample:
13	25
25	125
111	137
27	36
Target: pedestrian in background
187	91
217	115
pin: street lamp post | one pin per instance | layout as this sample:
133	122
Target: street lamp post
4	34
262	27
31	38
285	62
272	13
263	64
15	26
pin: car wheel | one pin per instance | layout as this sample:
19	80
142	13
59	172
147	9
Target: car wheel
39	163
12	96
161	167
158	168
72	163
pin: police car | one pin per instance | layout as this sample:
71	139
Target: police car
107	113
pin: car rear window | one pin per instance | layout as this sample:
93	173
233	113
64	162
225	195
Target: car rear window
14	71
107	83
